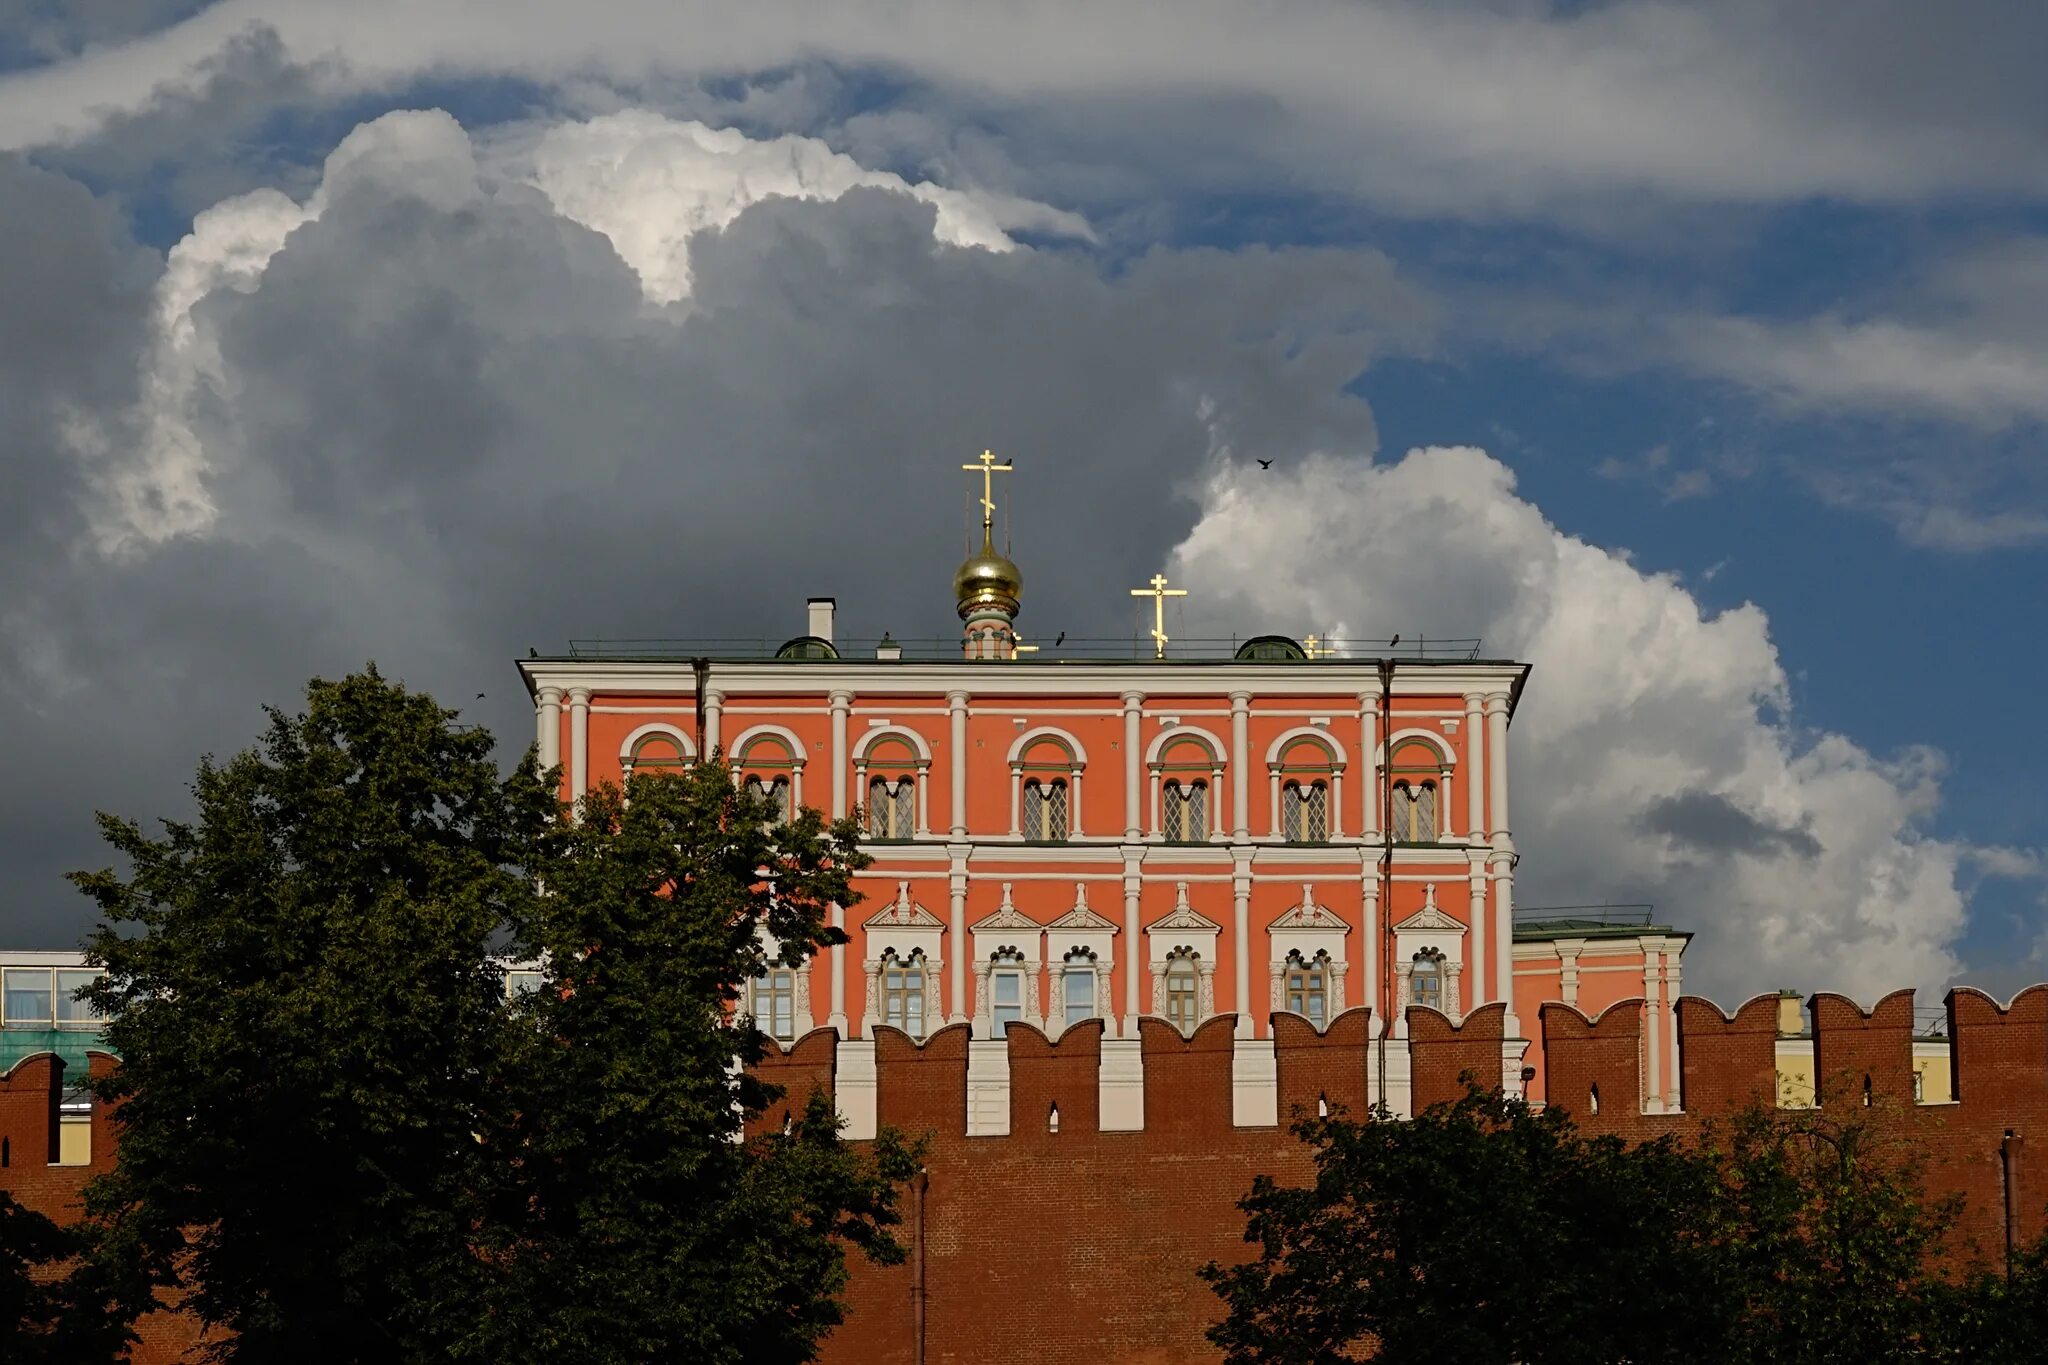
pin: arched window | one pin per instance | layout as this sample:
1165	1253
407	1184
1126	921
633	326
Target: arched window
771	999
1417	774
1426	979
1005	988
1308	986
1045	809
1305	812
1077	980
1183	989
1184	811
892	808
769	765
903	991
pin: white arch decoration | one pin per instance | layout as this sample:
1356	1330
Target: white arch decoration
1175	733
687	745
1430	737
1031	737
1316	733
738	747
918	744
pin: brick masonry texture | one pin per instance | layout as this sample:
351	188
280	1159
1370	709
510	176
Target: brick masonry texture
1079	1245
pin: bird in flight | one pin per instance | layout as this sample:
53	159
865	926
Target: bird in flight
1395	641
479	696
1062	640
1264	464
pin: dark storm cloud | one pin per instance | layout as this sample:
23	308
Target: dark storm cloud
1709	823
457	431
34	31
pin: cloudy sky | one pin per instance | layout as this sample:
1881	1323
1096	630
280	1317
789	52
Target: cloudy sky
1697	353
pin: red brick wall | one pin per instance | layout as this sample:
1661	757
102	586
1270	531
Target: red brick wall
1082	1246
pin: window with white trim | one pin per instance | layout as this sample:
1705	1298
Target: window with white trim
1426	979
1308	986
771	999
46	997
1006	988
657	754
769	767
1417	775
1183	989
773	790
1077	982
903	991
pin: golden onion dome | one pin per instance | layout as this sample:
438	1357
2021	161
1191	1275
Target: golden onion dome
988	577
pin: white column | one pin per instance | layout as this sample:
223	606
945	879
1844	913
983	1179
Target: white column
1240	766
1241	938
1480	965
1074	804
548	717
956	705
714	712
837	1020
1503	856
1653	1091
957	951
1673	1096
1134	948
841	701
1475	767
1443	808
579	742
1369	756
1370	944
1134	757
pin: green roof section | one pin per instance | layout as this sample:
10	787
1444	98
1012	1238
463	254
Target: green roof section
18	1044
1539	923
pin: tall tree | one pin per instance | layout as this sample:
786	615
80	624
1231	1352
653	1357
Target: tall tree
1483	1231
640	1223
312	1028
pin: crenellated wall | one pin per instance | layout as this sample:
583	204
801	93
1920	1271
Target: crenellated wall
1080	1242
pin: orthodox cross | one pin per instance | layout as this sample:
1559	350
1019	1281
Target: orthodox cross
1159	592
1319	649
987	467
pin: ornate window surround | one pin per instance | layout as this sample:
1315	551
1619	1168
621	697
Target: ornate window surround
1307	929
1047	752
903	927
1008	930
1291	758
1440	771
1080	930
915	763
1429	928
1187	930
751	759
1190	753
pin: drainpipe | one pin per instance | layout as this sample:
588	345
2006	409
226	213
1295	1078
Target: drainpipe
1386	795
919	1183
2008	1160
701	666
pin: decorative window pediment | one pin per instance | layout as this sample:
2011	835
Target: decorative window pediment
1310	916
904	913
1006	918
1430	918
1081	919
1183	918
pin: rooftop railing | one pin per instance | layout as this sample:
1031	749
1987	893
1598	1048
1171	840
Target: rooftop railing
1584	916
1066	649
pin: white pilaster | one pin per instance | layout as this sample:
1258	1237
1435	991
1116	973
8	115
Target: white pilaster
1240	766
1503	857
1400	1081
1241	938
1120	1090
1134	789
856	1087
1497	765
1475	766
548	719
1133	944
1254	1083
1476	885
956	707
1673	1093
1370	944
958	950
841	703
1653	1089
1368	751
988	1087
579	742
714	715
837	1019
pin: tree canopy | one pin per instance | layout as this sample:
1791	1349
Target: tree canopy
340	1141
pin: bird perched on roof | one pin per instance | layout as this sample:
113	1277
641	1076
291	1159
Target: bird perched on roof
1062	640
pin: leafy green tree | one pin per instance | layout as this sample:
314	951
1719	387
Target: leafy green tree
639	1222
1480	1231
312	1028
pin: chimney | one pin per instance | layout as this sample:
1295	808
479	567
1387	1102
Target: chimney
888	648
821	617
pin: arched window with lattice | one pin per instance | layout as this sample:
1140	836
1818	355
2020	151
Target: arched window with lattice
767	766
892	807
1415	803
1305	776
1184	810
1305	811
1187	769
1045	809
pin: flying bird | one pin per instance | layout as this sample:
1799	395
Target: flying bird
1264	464
479	696
1062	640
1395	641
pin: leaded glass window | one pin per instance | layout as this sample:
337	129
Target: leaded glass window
1045	810
1079	983
1184	811
775	790
1414	812
892	808
1305	812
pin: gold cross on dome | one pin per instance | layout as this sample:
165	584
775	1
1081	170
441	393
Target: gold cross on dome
1159	592
988	468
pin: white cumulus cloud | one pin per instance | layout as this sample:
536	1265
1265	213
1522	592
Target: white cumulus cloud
1653	757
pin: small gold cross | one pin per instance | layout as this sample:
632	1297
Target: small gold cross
987	467
1159	592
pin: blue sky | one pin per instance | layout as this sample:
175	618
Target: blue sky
1747	298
